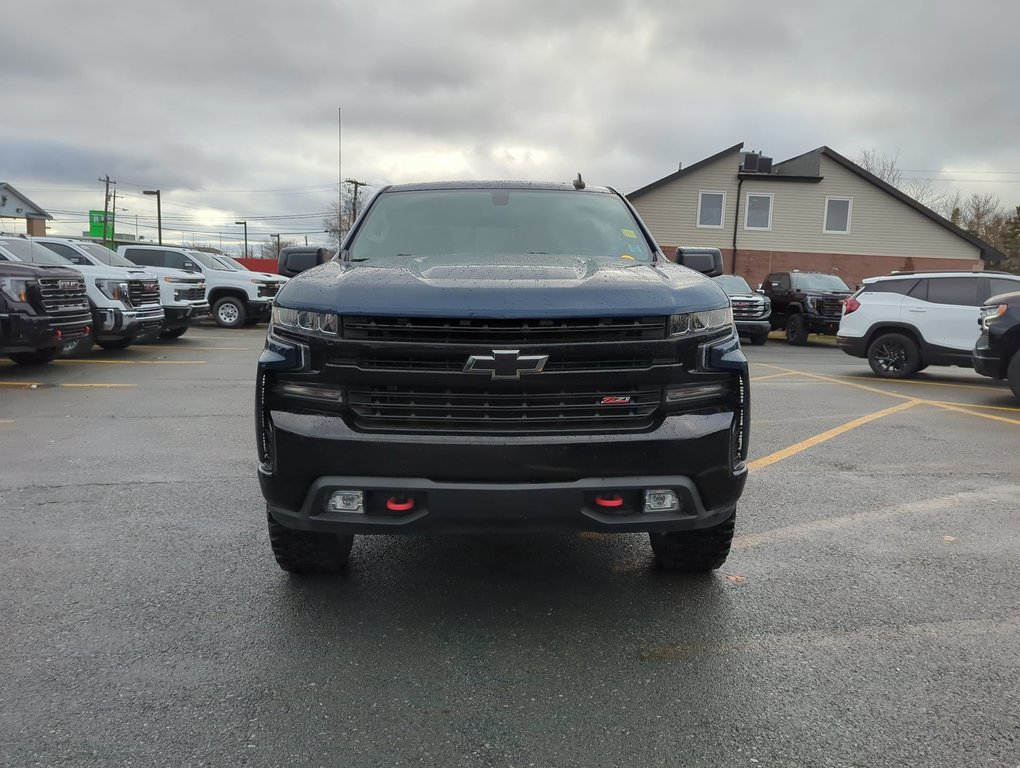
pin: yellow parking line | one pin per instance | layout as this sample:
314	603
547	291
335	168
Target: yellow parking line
772	376
975	405
43	385
132	362
21	384
923	383
803	445
169	348
956	407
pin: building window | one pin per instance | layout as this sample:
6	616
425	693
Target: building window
837	215
711	207
758	214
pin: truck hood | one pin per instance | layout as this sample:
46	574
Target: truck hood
115	273
517	286
35	271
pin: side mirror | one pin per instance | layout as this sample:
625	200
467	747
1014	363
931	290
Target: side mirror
707	261
189	266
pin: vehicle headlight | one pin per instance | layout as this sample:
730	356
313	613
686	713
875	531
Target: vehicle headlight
990	313
692	323
320	323
16	288
114	289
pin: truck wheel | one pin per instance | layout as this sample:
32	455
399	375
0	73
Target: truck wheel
229	312
759	338
38	357
173	333
796	330
894	356
115	344
694	551
1013	374
307	552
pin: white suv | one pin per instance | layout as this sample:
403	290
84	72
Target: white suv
906	321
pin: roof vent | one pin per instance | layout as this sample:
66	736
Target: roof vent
578	182
755	162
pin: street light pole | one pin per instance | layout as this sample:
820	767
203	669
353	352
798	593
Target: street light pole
245	236
159	213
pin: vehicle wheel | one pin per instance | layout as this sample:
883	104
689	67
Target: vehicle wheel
115	344
78	348
252	321
694	551
921	367
229	312
1013	375
796	330
894	356
307	552
38	357
759	339
173	333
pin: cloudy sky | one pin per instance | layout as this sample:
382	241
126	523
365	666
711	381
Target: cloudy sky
231	108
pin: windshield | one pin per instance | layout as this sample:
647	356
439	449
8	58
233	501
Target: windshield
495	222
733	284
106	256
819	283
233	263
208	261
37	253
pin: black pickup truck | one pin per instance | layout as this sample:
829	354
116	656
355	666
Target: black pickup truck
997	351
805	302
41	309
501	356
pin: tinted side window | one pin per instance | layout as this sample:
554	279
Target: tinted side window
69	253
173	259
891	286
1002	285
919	291
145	258
961	291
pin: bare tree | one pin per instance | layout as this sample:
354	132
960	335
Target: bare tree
983	216
927	193
271	248
886	167
338	220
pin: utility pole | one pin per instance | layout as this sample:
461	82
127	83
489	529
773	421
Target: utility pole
106	204
354	198
245	222
113	220
159	213
277	245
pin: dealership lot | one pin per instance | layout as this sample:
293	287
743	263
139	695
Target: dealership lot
867	616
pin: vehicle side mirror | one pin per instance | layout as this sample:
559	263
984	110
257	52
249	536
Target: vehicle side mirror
708	261
189	266
759	290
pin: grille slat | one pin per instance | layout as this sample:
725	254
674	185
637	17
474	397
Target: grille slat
63	295
142	292
749	310
470	331
368	362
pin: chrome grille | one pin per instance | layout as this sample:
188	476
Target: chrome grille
269	289
62	295
748	309
142	292
485	331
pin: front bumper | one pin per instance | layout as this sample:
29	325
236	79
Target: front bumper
22	332
463	483
753	327
822	324
182	317
259	309
987	360
124	323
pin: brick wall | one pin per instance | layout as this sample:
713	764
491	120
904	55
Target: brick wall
753	266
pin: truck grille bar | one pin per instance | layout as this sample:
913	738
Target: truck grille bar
485	331
749	310
142	292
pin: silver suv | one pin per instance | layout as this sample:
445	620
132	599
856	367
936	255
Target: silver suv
906	321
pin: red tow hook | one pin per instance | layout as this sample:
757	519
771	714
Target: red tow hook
609	501
400	503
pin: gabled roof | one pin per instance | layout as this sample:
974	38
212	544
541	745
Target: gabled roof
684	171
988	253
11	200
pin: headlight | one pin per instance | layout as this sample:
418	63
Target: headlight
990	313
693	323
319	323
16	288
114	289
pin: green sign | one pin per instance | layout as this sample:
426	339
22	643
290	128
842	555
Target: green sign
97	220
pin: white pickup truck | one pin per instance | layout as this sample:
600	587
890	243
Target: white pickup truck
124	302
181	293
237	297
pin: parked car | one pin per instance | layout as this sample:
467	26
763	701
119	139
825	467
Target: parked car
181	294
906	321
501	356
297	258
751	310
997	351
42	307
237	298
124	302
805	303
237	266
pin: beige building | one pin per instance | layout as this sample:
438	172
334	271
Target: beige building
815	212
14	205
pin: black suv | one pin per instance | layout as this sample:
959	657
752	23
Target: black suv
41	309
501	356
751	311
997	352
805	302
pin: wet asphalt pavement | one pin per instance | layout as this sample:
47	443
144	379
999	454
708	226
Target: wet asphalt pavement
868	615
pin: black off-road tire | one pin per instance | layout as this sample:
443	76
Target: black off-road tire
229	312
173	333
115	344
694	551
38	357
1013	374
796	330
305	552
894	356
758	339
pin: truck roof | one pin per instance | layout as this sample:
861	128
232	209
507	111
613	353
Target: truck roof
448	185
